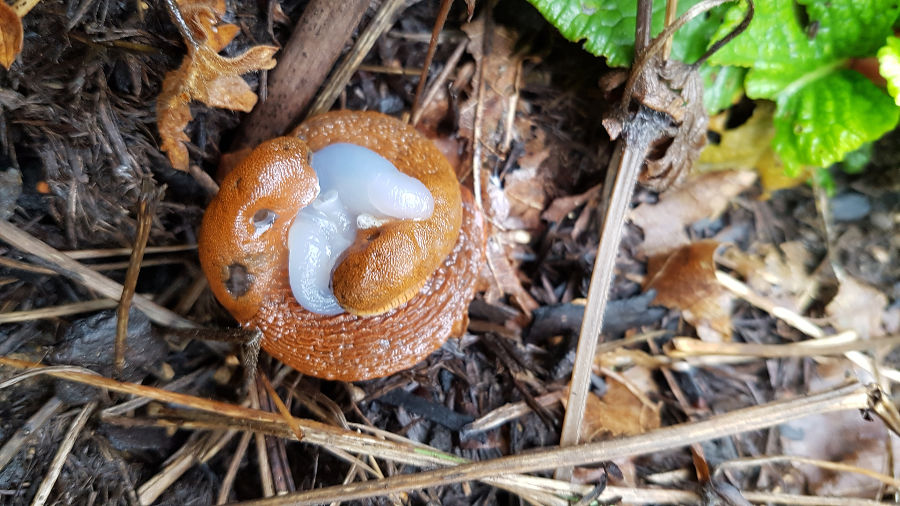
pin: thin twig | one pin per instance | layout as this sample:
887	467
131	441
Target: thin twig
146	210
439	81
432	47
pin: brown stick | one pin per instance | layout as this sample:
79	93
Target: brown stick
146	209
315	45
432	47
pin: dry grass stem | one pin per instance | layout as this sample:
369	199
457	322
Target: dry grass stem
621	178
87	277
509	412
339	79
824	464
849	397
29	428
84	254
57	311
43	492
804	325
233	465
684	347
381	69
852	396
197	450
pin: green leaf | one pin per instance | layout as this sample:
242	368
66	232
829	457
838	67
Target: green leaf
799	38
722	86
796	53
829	117
773	39
782	45
606	27
889	66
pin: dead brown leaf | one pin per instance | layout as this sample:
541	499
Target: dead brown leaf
701	196
504	279
562	206
500	69
618	413
686	280
206	76
858	306
11	34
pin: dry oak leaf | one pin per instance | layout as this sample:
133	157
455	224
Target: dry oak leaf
686	280
701	196
11	34
208	77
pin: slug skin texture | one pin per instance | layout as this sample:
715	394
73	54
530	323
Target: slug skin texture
406	284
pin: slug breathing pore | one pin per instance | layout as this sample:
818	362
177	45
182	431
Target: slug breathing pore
358	189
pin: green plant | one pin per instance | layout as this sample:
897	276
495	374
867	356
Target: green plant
794	53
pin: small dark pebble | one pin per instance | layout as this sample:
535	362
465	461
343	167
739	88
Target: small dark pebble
428	410
136	439
90	342
620	316
850	206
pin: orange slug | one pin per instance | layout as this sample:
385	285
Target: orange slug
373	234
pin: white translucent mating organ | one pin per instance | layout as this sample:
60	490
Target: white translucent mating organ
356	186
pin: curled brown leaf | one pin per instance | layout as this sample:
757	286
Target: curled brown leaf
206	76
11	34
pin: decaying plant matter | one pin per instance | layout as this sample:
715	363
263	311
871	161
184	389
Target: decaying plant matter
204	74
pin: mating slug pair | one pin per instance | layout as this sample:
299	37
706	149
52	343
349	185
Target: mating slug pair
349	244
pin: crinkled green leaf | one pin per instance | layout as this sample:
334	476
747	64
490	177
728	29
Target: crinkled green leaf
773	39
796	53
782	45
829	117
850	28
889	66
782	38
606	27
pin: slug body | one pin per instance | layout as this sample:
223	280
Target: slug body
358	188
412	246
